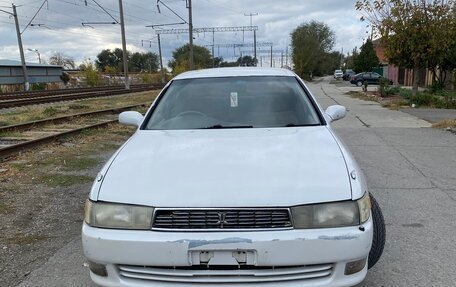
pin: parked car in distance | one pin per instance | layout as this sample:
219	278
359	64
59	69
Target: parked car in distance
372	78
338	74
348	74
234	177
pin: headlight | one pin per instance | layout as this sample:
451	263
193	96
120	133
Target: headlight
118	216
326	215
364	208
334	214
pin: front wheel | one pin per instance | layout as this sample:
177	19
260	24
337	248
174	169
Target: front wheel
359	83
378	242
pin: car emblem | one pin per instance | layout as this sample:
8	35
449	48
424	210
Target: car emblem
221	219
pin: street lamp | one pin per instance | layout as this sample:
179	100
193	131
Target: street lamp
37	52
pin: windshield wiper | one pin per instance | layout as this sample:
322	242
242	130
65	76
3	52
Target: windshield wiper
214	127
301	125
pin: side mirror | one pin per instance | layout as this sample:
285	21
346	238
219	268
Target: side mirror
336	112
131	118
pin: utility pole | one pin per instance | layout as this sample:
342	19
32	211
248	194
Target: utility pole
254	35
254	47
161	59
21	50
190	34
213	47
286	56
271	56
124	46
281	60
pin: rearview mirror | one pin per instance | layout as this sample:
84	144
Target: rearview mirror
130	118
336	112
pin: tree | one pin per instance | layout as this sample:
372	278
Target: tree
140	62
90	73
367	58
311	43
108	58
350	59
60	59
247	61
415	34
202	58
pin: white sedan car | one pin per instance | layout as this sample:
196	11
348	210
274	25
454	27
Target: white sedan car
234	177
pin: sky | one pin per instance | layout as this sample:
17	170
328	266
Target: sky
58	27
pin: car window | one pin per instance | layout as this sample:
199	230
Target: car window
375	75
256	102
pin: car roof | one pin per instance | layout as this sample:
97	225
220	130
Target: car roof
235	72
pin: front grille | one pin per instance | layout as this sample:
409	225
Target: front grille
222	219
220	274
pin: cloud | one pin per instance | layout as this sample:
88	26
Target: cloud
62	30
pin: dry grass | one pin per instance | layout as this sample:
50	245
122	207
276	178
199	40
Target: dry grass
25	239
363	96
57	165
445	124
27	114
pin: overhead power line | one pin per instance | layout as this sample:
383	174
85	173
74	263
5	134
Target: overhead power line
33	18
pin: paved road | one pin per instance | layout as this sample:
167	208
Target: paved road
411	170
432	115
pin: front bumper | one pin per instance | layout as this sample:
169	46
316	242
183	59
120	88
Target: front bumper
296	257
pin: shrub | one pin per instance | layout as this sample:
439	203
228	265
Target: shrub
50	111
405	93
383	85
65	77
393	90
146	78
38	87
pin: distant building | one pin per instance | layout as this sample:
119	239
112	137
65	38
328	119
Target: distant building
11	73
399	75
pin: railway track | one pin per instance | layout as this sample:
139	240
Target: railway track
17	138
25	99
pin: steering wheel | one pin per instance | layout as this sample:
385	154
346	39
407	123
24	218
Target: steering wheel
190	113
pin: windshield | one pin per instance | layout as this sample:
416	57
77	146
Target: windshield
234	102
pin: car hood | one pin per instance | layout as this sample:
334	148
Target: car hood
228	168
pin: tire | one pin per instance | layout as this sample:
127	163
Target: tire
378	242
359	83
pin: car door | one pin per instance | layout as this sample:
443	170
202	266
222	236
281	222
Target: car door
375	78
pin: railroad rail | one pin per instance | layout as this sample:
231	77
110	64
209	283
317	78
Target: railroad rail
18	144
22	94
33	99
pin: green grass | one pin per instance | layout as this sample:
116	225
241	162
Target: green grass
77	107
109	147
80	163
50	111
18	166
10	134
63	180
5	209
25	239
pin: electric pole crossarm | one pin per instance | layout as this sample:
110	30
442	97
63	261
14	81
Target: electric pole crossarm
264	44
168	24
202	30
